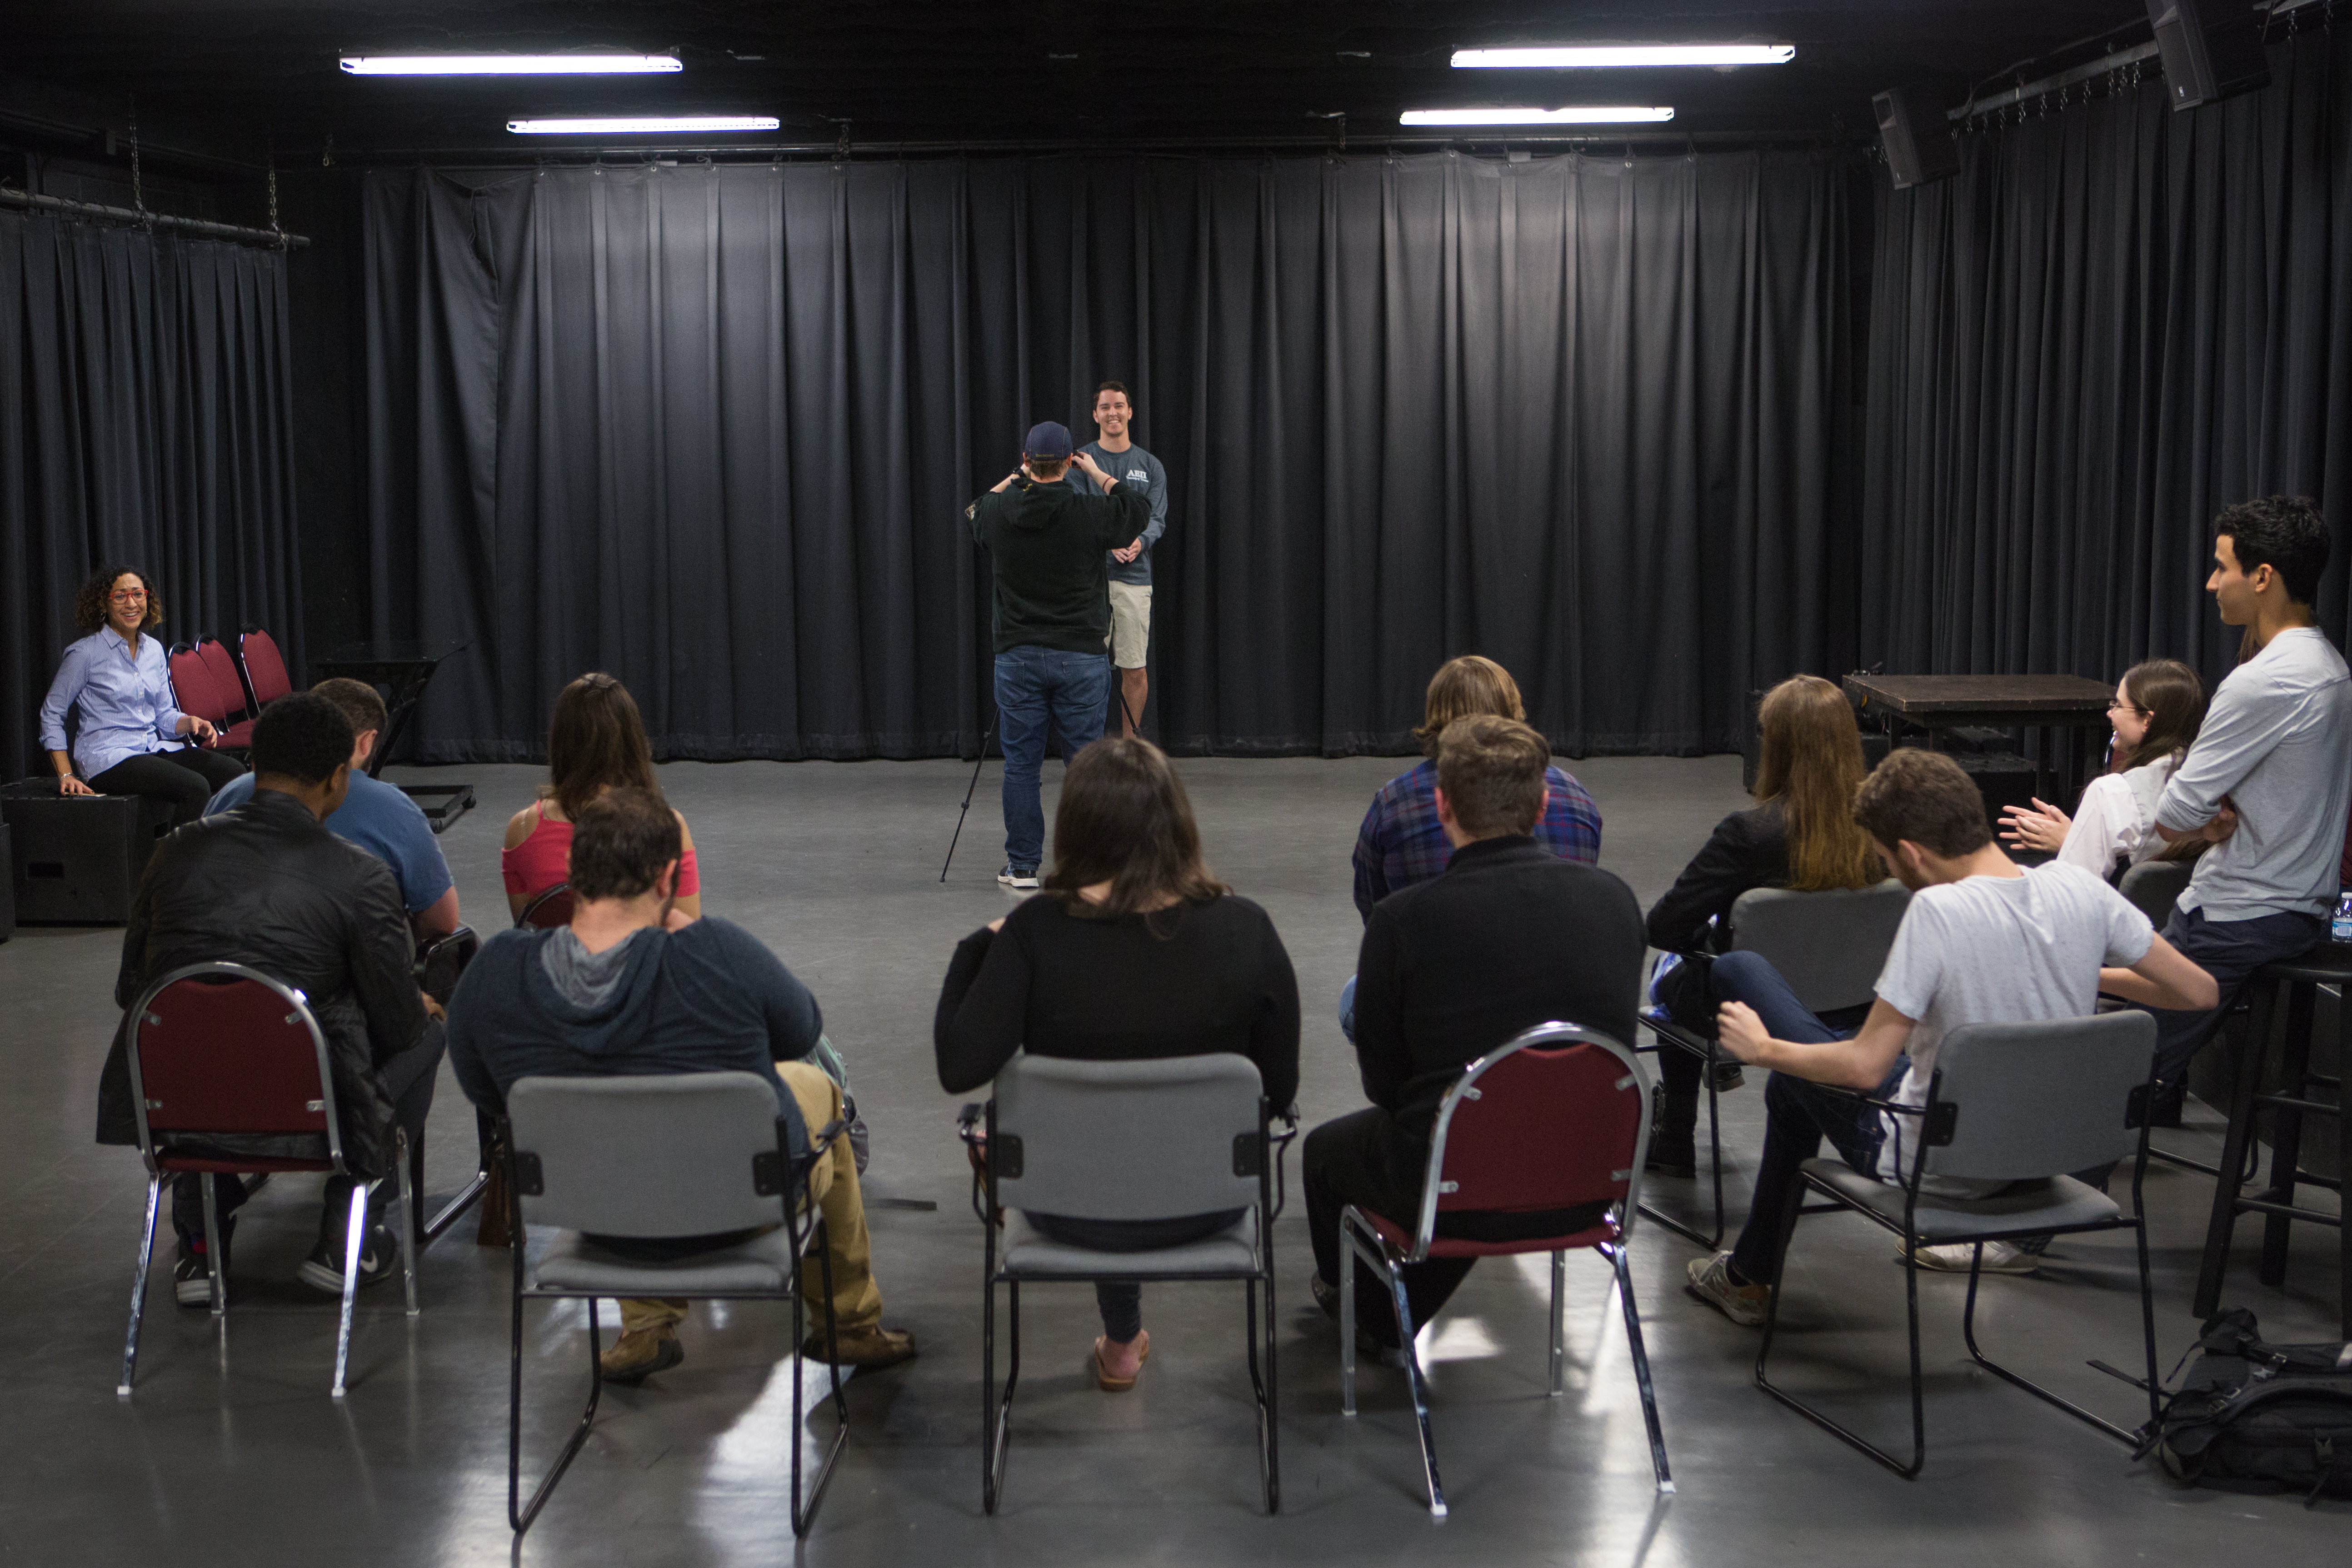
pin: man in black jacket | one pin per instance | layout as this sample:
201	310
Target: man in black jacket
1509	937
267	886
1047	538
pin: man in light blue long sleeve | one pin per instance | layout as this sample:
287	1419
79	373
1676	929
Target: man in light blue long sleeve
1129	567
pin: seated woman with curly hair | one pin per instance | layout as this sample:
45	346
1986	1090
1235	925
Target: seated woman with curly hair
121	680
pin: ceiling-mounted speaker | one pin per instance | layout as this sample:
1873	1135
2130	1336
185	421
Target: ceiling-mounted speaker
1918	136
2205	62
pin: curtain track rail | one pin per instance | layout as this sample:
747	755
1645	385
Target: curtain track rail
273	239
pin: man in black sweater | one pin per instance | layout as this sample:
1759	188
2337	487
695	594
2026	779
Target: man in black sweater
1509	937
1048	538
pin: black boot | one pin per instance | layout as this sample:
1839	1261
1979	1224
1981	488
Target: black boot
1673	1121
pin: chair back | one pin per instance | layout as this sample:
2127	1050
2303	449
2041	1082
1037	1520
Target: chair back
549	907
1555	1118
649	1157
2030	1101
193	688
1829	946
441	962
227	684
265	668
1127	1140
2153	887
222	1048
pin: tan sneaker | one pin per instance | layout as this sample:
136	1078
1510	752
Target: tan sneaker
872	1347
635	1357
2000	1257
1710	1281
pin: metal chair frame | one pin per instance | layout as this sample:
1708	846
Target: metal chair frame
806	1227
996	1411
1938	1118
539	901
463	943
157	1170
1380	1255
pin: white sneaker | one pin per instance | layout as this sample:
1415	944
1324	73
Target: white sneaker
2000	1257
1014	877
1710	1281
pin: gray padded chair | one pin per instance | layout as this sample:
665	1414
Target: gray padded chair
660	1157
2023	1103
1829	946
2155	886
1063	1137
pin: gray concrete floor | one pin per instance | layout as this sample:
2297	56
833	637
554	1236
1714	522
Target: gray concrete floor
231	1451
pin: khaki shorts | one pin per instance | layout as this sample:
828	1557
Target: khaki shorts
1130	623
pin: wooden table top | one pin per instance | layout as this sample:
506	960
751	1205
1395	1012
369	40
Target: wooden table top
2024	695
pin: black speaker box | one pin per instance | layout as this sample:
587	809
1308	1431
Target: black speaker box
1917	137
74	860
2208	57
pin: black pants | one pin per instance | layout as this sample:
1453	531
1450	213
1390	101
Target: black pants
1120	1301
408	1080
188	778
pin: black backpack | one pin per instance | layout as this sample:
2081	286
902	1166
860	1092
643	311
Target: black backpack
2256	1418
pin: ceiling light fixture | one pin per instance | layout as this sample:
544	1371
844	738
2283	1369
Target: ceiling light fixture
1582	114
642	124
509	65
1582	56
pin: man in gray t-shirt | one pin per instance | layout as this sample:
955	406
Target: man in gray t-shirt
1982	942
2269	780
1129	568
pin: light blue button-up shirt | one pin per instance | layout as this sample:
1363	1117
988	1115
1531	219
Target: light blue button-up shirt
126	701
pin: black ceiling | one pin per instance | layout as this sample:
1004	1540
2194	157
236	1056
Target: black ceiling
232	75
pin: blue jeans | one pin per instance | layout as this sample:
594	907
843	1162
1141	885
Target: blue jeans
1035	687
1798	1114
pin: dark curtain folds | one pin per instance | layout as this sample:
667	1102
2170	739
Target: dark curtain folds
711	428
144	416
2115	321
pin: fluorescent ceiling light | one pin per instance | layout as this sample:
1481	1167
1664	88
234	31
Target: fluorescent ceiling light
509	65
1580	55
640	125
1583	114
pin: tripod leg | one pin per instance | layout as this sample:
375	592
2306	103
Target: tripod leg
973	788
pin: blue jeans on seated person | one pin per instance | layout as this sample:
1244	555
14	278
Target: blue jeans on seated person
1121	1300
1798	1113
1036	688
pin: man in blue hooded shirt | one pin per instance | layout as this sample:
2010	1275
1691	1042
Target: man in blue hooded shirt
632	986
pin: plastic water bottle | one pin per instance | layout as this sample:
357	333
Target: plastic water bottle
2342	929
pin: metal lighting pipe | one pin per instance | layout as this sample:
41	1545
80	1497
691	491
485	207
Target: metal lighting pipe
2050	84
271	239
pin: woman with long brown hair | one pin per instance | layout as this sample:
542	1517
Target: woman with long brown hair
1133	951
595	742
1800	834
2159	706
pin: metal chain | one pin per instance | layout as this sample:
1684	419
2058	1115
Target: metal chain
138	193
271	155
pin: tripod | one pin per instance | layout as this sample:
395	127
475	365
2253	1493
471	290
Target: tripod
977	763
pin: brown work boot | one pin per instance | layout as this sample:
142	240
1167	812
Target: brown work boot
872	1347
637	1355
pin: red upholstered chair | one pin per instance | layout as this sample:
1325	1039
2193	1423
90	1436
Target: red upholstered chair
549	907
220	1049
228	686
1557	1118
265	668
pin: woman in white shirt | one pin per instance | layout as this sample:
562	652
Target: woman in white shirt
2157	708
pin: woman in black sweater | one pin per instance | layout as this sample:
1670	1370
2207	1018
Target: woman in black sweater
1800	834
1133	951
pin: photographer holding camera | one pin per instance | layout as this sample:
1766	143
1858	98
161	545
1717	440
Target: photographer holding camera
1048	538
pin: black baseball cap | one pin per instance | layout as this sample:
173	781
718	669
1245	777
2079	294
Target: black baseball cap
1048	442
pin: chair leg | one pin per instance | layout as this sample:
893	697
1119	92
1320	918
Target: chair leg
2286	1128
2245	1083
1714	1156
996	1408
804	1515
1558	1334
212	1264
519	1516
1420	1392
1347	1318
2147	1313
1273	1396
354	1234
1261	1386
139	1285
407	1190
1616	1256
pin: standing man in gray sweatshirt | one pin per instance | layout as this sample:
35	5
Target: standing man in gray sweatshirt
2268	780
1129	568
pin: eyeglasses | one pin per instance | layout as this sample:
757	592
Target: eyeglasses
2127	708
129	595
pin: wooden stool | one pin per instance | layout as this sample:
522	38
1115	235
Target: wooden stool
2329	964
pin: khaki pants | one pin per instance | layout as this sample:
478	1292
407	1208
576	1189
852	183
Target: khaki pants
857	1302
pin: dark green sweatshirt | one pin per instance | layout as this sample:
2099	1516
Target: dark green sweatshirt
1048	543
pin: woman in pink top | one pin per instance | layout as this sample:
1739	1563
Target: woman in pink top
595	742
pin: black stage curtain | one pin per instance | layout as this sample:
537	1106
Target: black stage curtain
144	416
2114	321
711	428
